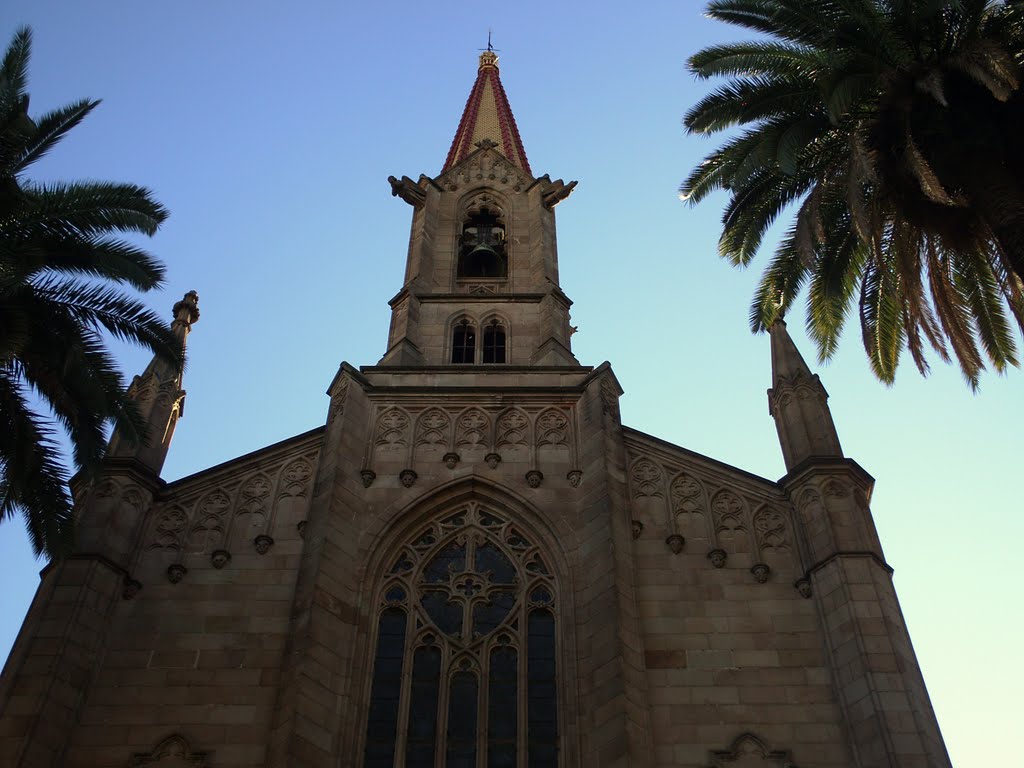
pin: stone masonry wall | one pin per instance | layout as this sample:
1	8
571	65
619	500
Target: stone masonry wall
727	654
196	655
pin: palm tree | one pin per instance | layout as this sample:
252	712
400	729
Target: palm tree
893	128
60	276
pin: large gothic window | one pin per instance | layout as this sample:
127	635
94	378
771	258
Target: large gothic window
464	668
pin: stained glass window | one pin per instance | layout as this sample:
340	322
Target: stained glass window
465	670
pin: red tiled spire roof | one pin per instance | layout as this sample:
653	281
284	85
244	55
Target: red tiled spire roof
487	116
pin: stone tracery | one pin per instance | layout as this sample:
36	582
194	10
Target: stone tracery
469	602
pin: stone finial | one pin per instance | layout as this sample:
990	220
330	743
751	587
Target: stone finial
186	312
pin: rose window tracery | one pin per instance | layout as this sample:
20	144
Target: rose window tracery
465	637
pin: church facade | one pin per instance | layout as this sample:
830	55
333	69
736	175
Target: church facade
473	562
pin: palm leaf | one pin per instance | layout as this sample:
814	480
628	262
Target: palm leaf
50	129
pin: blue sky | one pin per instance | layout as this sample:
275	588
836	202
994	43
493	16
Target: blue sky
269	130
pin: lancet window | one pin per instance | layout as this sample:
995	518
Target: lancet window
482	247
494	342
464	668
464	342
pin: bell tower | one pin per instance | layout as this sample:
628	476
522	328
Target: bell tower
481	279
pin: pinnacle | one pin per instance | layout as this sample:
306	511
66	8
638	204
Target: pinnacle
787	362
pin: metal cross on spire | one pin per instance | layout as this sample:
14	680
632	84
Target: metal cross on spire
489	47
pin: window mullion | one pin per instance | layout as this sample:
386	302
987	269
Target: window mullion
482	717
441	745
403	696
522	738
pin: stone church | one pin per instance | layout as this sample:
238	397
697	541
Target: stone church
473	562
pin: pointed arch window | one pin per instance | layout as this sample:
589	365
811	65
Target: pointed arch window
471	603
464	343
494	342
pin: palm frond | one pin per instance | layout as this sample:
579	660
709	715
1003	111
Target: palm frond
755	59
14	68
750	100
112	260
33	482
100	306
83	210
50	129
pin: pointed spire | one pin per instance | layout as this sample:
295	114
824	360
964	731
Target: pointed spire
487	118
159	396
787	362
799	404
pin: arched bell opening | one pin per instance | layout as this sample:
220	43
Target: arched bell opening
482	251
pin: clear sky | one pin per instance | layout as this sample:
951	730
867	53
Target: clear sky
269	130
